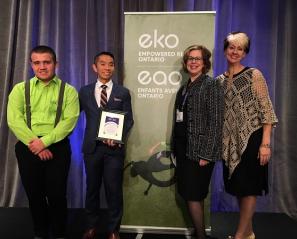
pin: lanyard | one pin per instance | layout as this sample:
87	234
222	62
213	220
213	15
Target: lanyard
185	93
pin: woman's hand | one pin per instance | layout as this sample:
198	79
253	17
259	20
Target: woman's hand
264	154
203	162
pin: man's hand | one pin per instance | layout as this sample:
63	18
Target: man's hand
36	146
45	155
111	143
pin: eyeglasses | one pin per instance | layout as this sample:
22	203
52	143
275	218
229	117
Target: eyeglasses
192	59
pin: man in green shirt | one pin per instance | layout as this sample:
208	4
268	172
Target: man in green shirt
43	150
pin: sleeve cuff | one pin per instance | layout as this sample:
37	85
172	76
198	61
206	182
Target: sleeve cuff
46	141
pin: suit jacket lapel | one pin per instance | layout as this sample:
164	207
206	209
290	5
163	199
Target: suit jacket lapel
112	94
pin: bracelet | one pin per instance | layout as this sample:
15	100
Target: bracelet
265	146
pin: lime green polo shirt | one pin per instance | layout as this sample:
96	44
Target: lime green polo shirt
43	100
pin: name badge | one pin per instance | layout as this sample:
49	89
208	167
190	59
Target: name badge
179	116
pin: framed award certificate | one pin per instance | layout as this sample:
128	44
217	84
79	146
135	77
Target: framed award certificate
111	125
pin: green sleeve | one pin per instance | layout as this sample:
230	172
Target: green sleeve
16	118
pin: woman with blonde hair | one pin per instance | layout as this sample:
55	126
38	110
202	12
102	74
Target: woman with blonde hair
248	120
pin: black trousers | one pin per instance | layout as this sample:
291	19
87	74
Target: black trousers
104	165
45	183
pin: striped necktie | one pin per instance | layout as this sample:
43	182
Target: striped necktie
103	98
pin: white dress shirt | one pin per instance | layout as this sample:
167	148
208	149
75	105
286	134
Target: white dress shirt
98	90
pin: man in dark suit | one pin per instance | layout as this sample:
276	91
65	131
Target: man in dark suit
104	160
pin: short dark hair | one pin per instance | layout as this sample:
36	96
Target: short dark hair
103	53
44	49
206	54
246	45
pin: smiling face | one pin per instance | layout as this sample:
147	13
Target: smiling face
104	67
236	46
43	66
234	53
195	63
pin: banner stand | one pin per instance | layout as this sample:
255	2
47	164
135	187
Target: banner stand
153	50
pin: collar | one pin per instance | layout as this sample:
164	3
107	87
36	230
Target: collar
37	80
108	84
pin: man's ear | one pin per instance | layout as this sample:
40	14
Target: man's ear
94	68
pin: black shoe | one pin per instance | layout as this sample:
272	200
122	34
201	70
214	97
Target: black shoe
210	237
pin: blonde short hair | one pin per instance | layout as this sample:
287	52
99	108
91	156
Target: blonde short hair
239	37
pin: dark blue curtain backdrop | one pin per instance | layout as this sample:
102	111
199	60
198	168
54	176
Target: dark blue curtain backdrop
77	30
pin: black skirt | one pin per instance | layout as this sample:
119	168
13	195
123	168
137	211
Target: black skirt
192	179
249	177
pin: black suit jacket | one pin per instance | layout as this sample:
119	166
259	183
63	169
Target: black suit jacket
205	106
119	100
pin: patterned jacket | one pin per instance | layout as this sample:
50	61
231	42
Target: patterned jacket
204	118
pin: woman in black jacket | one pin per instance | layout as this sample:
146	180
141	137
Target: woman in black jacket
197	132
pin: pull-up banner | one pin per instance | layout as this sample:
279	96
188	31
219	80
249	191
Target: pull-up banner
154	45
